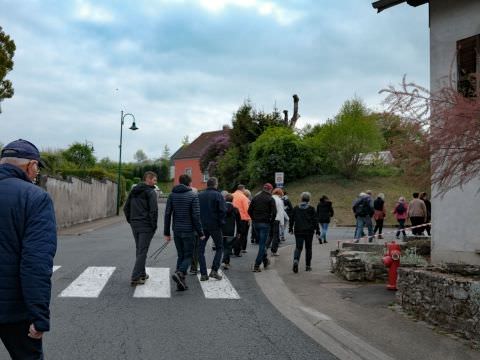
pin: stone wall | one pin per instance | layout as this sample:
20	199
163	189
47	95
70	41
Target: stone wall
357	265
77	201
446	300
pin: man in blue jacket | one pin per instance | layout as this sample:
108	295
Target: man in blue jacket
28	242
212	214
184	208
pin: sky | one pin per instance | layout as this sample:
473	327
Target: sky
182	67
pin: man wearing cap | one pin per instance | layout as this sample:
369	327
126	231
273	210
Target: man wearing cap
262	210
28	242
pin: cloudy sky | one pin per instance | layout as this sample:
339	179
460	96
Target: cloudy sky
184	66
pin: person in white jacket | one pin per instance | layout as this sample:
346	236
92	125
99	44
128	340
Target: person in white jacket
279	223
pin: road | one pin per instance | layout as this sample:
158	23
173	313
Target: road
116	324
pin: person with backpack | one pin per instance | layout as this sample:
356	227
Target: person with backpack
363	210
379	214
324	214
401	213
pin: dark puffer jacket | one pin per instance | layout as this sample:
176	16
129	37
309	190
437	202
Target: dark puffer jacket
28	242
183	206
141	208
324	212
212	209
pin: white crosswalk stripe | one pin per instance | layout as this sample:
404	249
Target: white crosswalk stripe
157	286
90	283
218	289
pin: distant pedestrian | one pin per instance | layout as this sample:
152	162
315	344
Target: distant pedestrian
428	205
274	236
241	202
28	242
194	267
379	214
263	211
324	214
212	215
288	207
400	211
303	223
363	210
183	206
417	212
141	211
229	229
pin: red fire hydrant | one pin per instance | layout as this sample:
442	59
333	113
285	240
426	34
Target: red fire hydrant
392	261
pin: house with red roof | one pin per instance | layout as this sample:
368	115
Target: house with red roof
187	159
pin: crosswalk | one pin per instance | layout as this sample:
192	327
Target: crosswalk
91	282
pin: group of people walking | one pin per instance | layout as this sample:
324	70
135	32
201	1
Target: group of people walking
365	207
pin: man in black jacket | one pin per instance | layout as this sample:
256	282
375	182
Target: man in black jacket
262	210
212	215
183	206
141	211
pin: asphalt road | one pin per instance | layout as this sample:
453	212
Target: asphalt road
186	325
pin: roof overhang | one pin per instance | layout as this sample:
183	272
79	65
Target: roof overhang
381	5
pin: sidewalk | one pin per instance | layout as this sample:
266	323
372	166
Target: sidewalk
79	229
350	319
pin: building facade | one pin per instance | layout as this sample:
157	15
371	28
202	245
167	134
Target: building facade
454	50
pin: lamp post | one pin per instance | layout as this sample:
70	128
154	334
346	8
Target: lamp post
133	127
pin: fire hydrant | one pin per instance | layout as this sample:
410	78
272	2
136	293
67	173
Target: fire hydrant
392	261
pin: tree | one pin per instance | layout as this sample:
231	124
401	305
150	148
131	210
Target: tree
452	123
278	149
166	153
247	125
80	154
140	156
216	150
341	142
7	51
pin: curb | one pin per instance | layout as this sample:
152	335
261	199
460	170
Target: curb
320	327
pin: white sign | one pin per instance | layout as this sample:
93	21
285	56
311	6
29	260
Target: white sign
279	178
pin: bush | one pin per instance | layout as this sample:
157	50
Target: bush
279	149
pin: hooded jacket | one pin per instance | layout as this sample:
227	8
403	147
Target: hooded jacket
324	211
28	242
141	208
184	207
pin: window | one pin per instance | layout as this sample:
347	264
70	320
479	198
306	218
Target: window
188	171
205	177
468	66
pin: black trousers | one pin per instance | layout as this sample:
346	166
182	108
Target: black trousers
20	347
301	239
378	226
417	220
274	236
241	243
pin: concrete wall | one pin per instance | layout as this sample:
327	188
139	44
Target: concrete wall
77	201
455	218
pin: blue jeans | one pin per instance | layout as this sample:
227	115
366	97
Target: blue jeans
184	243
262	230
361	222
218	241
324	231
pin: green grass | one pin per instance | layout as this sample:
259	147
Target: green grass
343	191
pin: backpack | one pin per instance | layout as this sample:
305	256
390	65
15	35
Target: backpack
362	208
400	209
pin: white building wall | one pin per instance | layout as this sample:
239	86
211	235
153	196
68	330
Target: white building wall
456	216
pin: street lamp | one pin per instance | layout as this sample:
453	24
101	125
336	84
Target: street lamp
133	127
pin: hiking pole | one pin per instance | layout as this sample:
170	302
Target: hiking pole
157	252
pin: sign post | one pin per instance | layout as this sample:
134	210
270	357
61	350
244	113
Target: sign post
279	178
